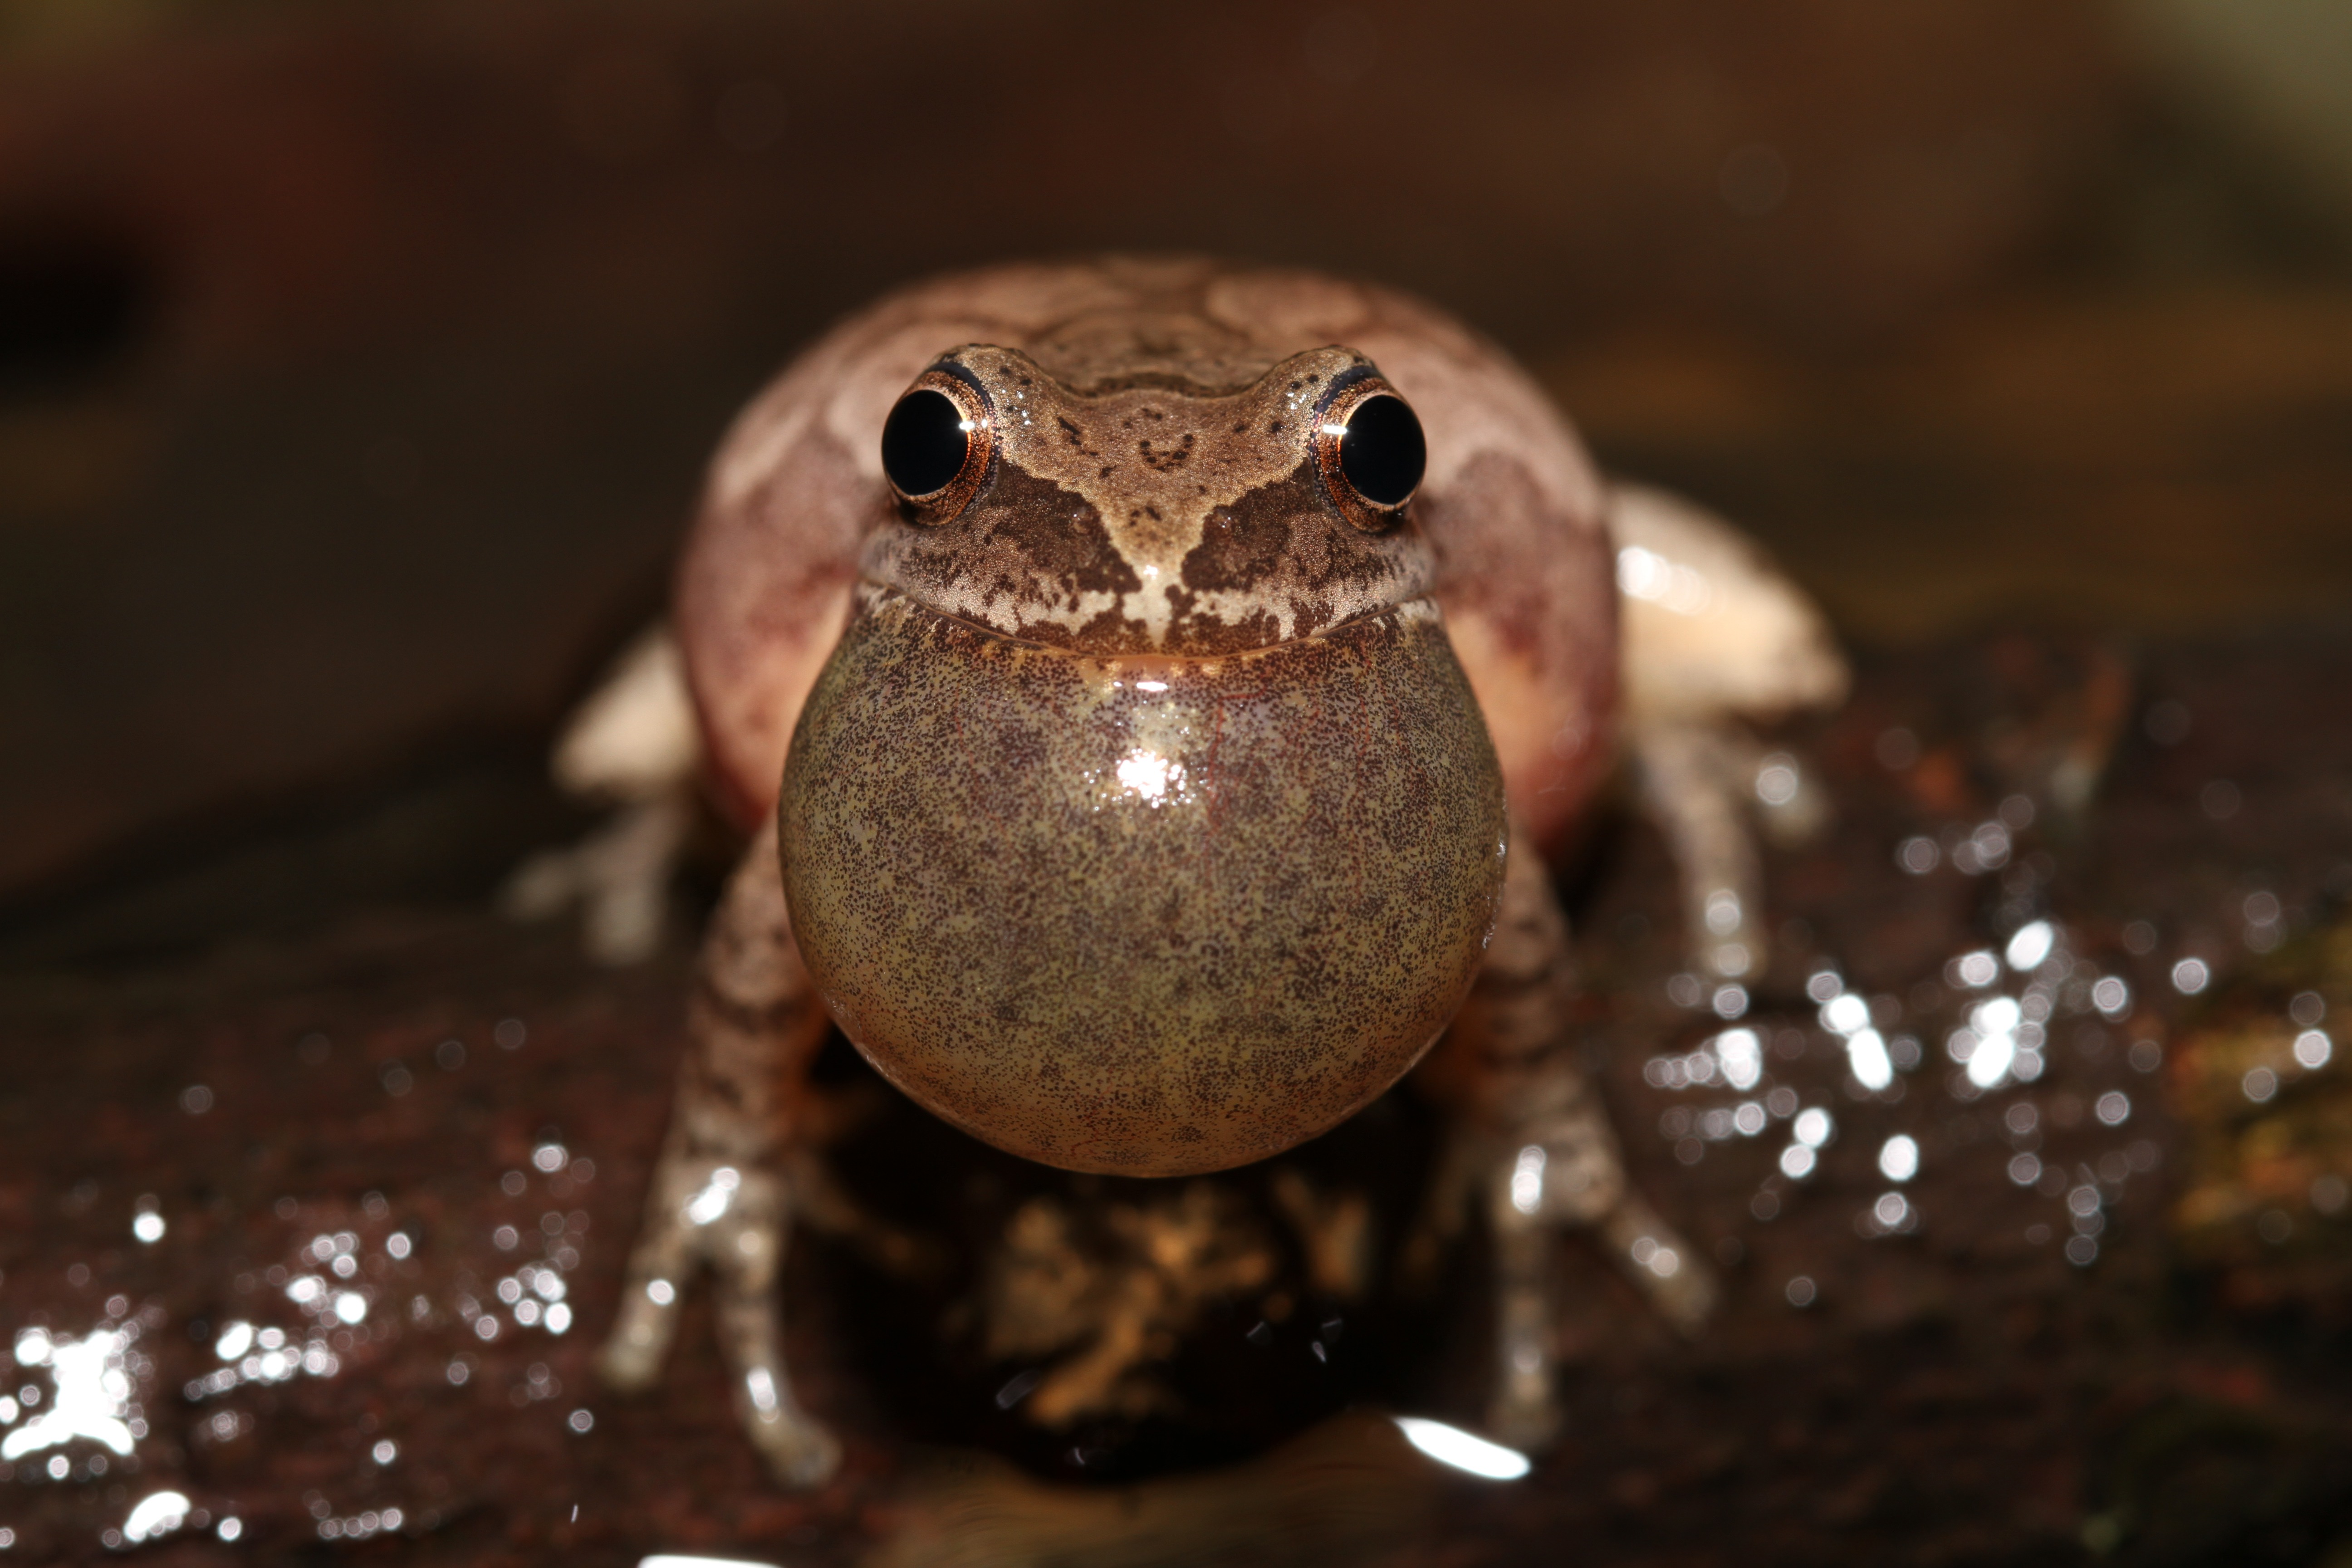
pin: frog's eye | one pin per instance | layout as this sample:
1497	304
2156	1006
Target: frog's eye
936	446
1370	452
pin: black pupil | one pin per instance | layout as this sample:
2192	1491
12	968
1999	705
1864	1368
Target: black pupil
1384	454
924	443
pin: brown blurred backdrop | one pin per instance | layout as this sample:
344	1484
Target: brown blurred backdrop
357	361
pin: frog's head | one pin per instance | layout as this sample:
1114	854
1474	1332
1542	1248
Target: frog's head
1149	515
1143	821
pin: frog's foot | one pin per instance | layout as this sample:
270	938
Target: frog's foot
1532	1147
718	1196
1562	1172
746	1249
705	1210
660	1266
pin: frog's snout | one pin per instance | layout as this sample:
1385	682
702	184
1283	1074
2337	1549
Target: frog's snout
1142	917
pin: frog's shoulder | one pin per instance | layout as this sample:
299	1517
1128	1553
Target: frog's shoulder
1527	573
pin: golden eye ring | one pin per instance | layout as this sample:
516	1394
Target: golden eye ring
1370	452
937	446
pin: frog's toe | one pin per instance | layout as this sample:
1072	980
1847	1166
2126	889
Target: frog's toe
1679	1284
1524	1415
799	1451
631	1361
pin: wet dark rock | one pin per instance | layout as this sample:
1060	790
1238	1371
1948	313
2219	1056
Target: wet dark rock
1957	1391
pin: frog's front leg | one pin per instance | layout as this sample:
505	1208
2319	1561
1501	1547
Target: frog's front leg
1715	639
720	1192
1531	1144
1694	781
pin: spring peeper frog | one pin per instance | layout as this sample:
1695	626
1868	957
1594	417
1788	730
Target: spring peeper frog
1153	689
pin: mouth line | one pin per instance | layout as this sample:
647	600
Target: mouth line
1127	661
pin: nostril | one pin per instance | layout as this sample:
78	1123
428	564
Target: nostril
71	308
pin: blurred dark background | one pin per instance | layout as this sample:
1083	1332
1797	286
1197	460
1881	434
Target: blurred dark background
357	361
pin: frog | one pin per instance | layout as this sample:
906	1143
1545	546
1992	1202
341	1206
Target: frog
1154	693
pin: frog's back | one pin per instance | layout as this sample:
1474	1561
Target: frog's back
1509	500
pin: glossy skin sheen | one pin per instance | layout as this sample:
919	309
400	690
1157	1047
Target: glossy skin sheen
1142	817
1147	916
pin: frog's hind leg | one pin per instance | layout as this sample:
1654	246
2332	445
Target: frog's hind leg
719	1194
1532	1144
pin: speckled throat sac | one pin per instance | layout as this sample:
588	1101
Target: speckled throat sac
1142	916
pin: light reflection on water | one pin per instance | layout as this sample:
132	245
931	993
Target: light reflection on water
1471	1455
91	1395
1734	1085
80	1409
2001	1004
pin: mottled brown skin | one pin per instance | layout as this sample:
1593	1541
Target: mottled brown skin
1148	916
1161	517
1155	797
1510	514
1076	969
